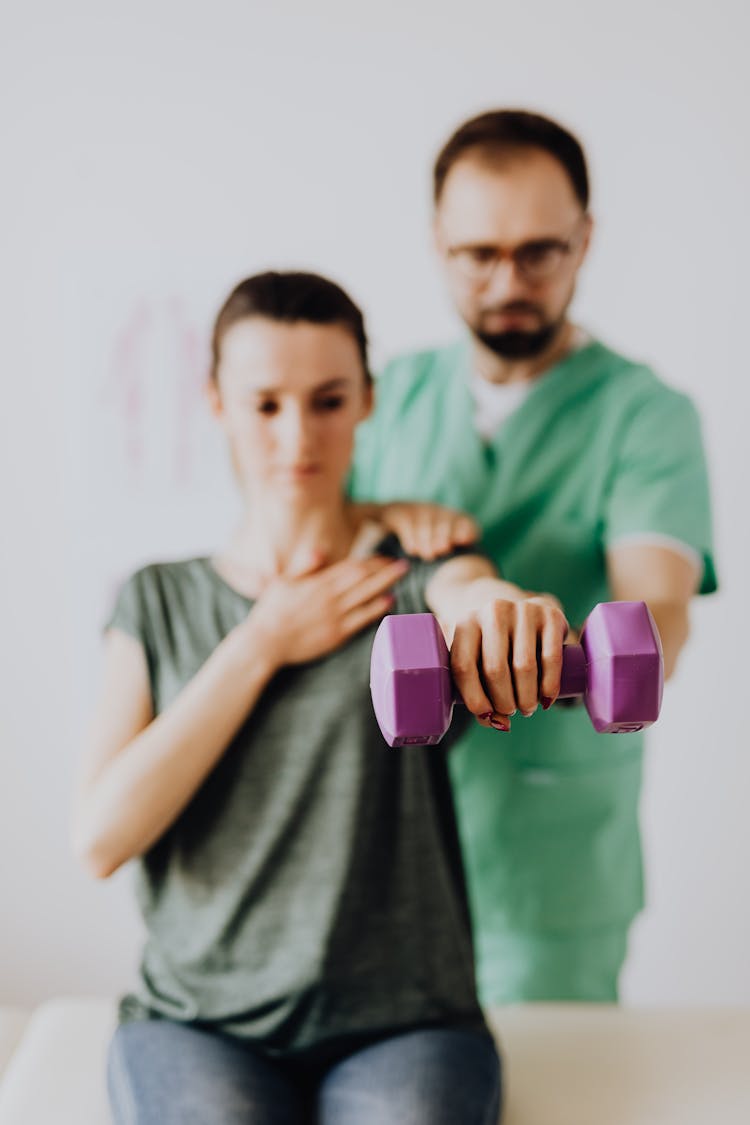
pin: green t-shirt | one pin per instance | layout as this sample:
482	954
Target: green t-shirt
312	891
600	449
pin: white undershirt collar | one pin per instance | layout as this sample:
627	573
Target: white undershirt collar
494	402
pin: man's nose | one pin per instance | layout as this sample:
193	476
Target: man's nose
505	283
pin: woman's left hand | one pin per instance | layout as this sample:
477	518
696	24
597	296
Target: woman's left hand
507	657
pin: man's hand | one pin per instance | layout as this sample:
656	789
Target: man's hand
426	530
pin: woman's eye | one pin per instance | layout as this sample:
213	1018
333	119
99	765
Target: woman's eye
331	402
267	408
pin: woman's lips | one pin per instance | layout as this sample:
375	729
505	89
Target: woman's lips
299	472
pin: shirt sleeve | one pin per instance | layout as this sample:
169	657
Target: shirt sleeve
410	591
129	610
130	613
659	486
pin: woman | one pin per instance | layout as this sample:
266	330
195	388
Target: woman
308	953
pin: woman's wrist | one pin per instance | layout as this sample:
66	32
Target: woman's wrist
251	646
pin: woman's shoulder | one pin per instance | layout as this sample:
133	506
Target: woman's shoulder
157	571
156	595
164	579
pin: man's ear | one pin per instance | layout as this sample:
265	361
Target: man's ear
586	240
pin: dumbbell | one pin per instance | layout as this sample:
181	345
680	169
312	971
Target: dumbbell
617	668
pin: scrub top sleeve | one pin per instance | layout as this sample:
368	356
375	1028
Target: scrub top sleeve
659	485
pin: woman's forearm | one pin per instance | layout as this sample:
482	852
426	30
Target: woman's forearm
139	792
465	584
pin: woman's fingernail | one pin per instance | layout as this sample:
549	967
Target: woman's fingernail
485	716
546	703
499	722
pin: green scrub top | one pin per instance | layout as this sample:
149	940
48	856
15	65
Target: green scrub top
599	450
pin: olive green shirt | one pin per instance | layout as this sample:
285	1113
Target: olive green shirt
312	891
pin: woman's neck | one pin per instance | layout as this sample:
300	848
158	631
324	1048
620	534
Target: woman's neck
271	542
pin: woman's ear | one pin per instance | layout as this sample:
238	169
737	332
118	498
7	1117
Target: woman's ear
368	401
213	397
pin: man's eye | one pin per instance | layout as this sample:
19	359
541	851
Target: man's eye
538	254
330	402
482	254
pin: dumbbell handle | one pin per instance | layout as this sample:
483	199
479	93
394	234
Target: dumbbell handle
572	675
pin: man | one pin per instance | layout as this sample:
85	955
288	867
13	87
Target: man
586	475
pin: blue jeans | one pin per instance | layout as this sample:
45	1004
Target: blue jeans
165	1073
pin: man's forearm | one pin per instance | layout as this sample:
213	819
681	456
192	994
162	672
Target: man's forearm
673	624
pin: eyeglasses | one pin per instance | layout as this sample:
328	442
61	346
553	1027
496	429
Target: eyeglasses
535	261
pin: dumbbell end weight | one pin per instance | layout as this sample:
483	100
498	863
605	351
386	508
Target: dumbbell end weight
410	680
624	667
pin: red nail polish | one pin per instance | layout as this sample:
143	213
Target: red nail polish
546	703
486	716
500	724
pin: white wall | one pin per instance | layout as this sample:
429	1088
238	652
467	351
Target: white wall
153	155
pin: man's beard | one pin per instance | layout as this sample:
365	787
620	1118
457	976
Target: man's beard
516	344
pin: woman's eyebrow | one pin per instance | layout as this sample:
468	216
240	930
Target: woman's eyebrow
339	382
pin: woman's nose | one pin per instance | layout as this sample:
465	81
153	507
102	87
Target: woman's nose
296	432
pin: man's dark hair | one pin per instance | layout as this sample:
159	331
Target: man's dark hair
501	132
290	297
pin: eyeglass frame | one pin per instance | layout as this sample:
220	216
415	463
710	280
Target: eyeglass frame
563	246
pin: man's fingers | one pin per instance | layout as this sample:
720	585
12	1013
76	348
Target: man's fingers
429	535
442	529
430	530
465	530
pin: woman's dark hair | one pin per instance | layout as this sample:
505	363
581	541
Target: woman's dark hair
290	297
500	132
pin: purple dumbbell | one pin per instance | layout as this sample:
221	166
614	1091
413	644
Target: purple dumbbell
617	667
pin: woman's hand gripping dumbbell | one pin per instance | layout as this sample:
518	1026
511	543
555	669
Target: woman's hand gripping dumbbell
617	669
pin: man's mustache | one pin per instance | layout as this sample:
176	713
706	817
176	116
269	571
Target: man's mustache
513	307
